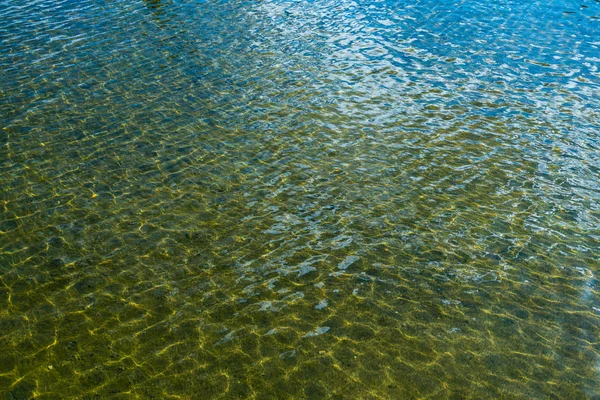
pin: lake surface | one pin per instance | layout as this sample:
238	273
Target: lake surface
299	199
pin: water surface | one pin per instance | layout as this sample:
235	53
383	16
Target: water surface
299	199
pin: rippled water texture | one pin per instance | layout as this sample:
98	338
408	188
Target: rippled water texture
299	199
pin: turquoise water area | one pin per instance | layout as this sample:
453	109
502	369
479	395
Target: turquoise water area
220	199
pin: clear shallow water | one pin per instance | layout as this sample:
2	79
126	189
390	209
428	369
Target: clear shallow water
231	199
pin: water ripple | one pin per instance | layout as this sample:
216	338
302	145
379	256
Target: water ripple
296	199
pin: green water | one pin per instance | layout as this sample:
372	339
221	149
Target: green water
273	199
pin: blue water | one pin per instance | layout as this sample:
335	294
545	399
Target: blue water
299	199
